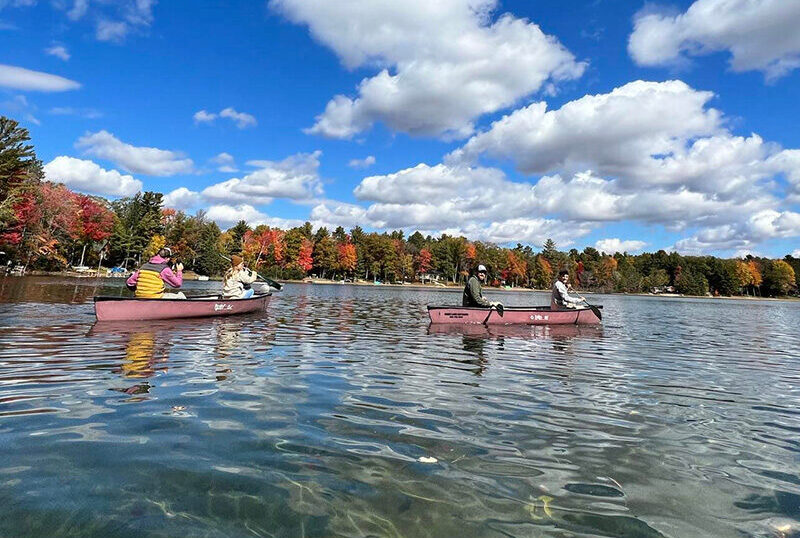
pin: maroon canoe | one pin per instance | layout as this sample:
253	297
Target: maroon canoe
127	308
514	315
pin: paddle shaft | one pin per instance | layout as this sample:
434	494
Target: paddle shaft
489	314
498	307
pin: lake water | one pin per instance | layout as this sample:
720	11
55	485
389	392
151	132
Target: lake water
678	417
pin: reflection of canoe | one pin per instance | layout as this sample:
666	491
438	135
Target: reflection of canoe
121	308
479	330
512	315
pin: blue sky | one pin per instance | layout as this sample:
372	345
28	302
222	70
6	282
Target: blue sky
607	123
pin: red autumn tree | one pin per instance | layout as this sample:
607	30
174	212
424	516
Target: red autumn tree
424	261
25	212
95	221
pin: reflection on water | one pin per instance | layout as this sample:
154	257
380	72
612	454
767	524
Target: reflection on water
677	417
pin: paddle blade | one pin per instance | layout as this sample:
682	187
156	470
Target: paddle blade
500	310
596	311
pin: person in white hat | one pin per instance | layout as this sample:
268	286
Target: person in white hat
473	293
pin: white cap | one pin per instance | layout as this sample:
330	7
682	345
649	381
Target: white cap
482	269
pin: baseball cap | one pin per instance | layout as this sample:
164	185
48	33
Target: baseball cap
482	269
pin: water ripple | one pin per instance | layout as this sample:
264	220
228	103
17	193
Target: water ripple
341	412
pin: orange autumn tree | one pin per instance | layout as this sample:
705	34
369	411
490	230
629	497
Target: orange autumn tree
755	274
543	273
516	268
470	255
605	271
305	261
263	246
347	258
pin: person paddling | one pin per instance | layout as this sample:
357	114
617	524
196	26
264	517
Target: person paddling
473	291
561	299
235	278
151	279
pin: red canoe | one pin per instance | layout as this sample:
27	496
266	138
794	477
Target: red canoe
514	315
126	308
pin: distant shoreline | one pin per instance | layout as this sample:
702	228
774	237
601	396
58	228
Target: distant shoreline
429	287
535	290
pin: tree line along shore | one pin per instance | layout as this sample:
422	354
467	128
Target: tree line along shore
46	226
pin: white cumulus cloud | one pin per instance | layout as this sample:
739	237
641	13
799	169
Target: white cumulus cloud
339	214
59	51
201	116
181	198
19	78
366	162
759	34
442	64
744	234
241	119
613	245
295	177
228	215
87	176
140	160
225	163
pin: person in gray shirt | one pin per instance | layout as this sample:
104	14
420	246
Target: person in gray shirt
561	299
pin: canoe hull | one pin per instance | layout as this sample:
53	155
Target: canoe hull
512	315
129	309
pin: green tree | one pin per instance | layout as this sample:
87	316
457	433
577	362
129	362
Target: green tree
417	240
628	277
136	221
20	170
339	235
779	277
449	255
325	255
209	260
321	233
691	282
17	157
657	278
237	235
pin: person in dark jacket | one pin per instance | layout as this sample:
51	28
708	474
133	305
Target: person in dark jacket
473	293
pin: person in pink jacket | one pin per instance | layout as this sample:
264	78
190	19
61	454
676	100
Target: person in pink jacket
151	279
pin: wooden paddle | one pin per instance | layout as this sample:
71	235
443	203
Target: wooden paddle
277	285
593	308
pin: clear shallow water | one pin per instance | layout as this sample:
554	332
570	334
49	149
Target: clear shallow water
679	417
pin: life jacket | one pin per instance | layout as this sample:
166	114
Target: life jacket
150	285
